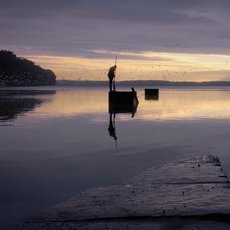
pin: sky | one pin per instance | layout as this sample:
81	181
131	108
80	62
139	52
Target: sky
174	40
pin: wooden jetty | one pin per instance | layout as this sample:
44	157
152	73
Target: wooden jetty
151	94
122	101
190	194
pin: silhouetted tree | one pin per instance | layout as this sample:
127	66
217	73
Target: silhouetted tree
16	71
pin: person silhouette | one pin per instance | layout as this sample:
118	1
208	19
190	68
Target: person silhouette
111	76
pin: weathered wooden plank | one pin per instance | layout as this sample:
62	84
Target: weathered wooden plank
193	187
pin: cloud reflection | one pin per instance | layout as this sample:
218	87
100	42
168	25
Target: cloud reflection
172	105
187	105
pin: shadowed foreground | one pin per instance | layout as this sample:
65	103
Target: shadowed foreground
190	194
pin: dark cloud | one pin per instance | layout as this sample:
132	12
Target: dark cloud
73	27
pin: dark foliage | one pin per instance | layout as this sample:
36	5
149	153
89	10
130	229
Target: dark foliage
16	71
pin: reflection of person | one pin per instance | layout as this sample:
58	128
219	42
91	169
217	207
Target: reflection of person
112	129
111	76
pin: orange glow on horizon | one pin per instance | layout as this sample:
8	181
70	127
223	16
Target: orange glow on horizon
139	66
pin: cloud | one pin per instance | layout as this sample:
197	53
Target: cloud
130	55
74	27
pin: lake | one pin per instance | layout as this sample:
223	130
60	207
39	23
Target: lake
57	141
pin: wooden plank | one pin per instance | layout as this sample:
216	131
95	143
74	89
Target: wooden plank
194	187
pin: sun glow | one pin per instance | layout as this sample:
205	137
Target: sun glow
139	66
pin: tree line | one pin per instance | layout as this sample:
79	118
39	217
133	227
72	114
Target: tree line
17	71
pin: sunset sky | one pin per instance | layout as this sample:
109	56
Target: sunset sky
174	40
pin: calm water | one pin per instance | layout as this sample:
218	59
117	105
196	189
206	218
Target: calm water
55	142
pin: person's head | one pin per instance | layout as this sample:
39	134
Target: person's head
115	66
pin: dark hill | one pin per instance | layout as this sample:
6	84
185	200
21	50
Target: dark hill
17	71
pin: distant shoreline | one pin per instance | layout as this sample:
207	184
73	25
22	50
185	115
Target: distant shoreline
141	83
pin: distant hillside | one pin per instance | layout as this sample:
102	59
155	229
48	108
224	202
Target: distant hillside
147	83
16	71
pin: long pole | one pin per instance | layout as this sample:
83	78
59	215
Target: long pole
114	78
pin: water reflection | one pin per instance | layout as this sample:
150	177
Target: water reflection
152	97
75	102
172	105
123	109
112	126
12	107
67	156
18	102
18	92
186	105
